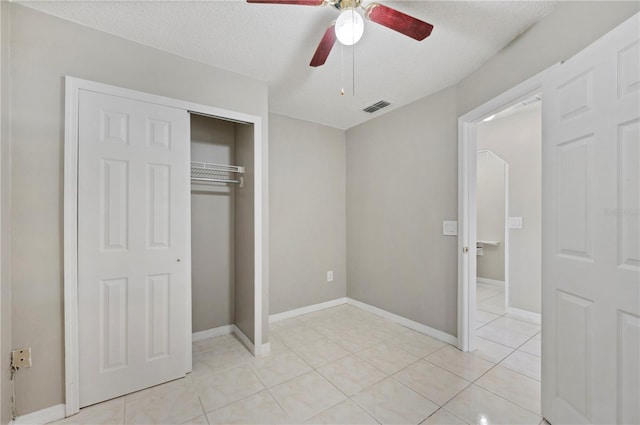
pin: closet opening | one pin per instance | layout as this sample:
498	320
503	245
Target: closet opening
222	228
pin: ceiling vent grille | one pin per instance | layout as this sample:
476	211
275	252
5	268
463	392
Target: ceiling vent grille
376	106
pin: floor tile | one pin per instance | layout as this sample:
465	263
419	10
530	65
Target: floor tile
484	317
175	403
525	363
260	408
356	340
513	386
226	387
501	335
533	346
491	351
516	325
276	368
387	357
299	337
431	381
345	413
220	360
442	417
319	353
494	304
200	420
390	402
352	374
465	365
306	396
107	413
476	405
484	292
416	343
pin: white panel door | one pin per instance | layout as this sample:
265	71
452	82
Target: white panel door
132	244
591	234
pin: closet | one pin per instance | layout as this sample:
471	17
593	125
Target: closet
222	272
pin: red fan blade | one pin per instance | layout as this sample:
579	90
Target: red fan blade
398	21
298	2
325	46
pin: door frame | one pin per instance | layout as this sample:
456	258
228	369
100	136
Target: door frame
73	86
467	206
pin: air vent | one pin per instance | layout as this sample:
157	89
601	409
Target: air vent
376	106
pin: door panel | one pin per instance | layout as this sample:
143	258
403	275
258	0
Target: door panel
132	239
591	233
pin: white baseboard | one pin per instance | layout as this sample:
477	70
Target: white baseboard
41	417
212	333
263	350
419	327
490	281
306	310
529	316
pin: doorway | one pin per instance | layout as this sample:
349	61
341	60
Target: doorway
470	128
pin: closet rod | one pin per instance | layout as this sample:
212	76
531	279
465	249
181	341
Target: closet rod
200	179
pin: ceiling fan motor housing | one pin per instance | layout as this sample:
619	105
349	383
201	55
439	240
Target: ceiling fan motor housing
346	4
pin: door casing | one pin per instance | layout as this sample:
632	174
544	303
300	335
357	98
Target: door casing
73	86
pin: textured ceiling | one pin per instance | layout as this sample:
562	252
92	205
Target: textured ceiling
274	43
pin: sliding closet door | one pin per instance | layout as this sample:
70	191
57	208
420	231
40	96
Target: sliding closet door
132	245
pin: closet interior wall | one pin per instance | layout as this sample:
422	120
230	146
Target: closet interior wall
222	229
212	228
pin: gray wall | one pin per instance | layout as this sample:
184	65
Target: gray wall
45	49
401	185
517	138
308	213
397	258
491	204
5	218
244	233
212	228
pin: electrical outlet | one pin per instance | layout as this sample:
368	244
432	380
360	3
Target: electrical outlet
21	357
330	276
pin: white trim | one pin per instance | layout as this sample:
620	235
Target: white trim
71	349
212	333
419	327
490	281
306	310
527	315
41	417
467	148
264	349
72	88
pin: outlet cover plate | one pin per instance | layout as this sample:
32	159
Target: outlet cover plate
515	222
330	276
21	357
450	228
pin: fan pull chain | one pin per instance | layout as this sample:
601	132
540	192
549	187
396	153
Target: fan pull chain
353	71
342	69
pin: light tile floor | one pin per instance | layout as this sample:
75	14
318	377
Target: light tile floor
346	366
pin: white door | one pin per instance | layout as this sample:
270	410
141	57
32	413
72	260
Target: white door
133	186
591	234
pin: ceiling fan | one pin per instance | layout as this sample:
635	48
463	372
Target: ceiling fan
349	26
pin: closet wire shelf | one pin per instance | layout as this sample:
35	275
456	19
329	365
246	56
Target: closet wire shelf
216	173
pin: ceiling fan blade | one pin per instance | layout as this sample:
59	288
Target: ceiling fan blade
297	2
398	21
325	46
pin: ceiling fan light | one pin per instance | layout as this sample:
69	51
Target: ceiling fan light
349	27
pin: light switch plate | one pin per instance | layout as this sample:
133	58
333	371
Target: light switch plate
515	222
450	228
